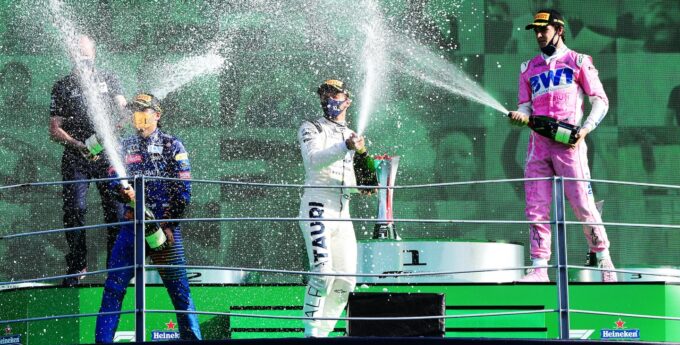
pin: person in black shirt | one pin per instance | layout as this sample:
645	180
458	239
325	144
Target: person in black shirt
71	126
673	113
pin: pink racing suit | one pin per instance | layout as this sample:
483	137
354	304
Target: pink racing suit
555	86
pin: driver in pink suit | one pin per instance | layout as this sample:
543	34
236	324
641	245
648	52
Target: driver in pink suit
555	84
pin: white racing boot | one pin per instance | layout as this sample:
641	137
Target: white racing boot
538	274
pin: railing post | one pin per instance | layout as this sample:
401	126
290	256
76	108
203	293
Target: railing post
140	277
562	273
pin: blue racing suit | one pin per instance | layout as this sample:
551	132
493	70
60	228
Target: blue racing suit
159	155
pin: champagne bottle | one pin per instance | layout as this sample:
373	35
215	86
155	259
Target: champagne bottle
364	169
556	130
154	235
93	148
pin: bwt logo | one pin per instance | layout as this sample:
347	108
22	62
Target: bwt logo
551	80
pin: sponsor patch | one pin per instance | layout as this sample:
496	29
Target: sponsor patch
155	149
144	98
181	156
184	175
131	159
524	65
542	16
551	80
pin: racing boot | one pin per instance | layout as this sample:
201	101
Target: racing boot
537	274
74	281
604	262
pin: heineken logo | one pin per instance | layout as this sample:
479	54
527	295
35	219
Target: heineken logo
170	333
164	335
620	331
12	339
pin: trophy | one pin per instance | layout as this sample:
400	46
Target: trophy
386	170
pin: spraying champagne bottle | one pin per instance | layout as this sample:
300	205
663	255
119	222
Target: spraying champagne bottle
153	233
365	169
556	130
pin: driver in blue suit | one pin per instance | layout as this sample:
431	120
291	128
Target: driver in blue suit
151	153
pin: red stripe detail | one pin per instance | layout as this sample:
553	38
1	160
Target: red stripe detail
388	206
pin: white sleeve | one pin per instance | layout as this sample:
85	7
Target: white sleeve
597	112
314	154
525	108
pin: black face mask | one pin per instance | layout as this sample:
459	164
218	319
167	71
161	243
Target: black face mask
551	47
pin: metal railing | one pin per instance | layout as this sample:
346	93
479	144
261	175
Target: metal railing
559	223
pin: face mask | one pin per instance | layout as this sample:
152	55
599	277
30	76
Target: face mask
332	108
142	120
550	48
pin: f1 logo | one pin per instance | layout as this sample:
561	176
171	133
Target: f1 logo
415	258
124	337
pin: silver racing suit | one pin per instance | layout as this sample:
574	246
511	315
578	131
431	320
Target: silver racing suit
331	245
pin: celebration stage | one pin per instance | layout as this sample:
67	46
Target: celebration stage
535	303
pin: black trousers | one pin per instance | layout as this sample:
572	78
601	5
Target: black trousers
75	207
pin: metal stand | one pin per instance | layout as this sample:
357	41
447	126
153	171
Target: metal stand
140	255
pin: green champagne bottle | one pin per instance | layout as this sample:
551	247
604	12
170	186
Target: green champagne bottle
94	148
556	130
364	169
154	235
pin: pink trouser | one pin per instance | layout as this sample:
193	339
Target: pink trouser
547	158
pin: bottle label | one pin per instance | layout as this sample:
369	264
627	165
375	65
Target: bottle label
93	145
156	239
562	135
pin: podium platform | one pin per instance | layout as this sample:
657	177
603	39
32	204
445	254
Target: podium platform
624	298
414	256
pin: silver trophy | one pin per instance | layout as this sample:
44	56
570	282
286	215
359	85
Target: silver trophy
386	171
